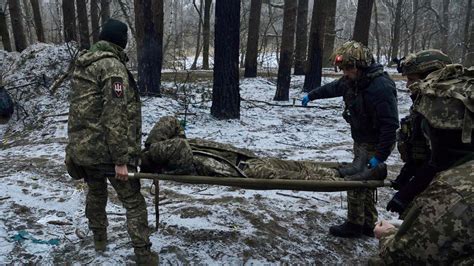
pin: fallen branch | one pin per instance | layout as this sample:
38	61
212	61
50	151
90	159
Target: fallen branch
292	105
4	198
59	223
291	196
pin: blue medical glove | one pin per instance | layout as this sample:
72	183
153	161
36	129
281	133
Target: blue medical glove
305	101
373	162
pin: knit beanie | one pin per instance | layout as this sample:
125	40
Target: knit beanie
114	31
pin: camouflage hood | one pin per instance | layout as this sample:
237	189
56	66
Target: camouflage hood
101	49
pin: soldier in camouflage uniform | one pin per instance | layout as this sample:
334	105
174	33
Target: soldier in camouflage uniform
167	150
370	98
104	134
418	171
439	223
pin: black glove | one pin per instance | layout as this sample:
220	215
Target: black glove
396	205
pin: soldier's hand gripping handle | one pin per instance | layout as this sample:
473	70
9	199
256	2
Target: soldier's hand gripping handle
121	172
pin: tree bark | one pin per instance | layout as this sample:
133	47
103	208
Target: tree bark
470	49
415	26
301	37
315	51
445	27
149	44
206	32
125	13
467	22
330	34
286	51
17	25
4	31
198	41
69	20
376	32
396	30
225	91
95	20
362	21
104	10
38	21
252	40
28	19
83	24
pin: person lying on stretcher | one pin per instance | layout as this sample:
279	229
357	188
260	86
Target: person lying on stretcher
167	150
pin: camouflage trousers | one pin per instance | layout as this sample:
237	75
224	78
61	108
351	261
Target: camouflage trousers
273	168
128	193
360	202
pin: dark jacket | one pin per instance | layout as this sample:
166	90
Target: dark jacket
370	107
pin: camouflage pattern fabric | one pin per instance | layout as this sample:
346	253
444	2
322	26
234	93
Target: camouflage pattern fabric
423	62
360	202
273	168
352	53
105	111
439	227
447	99
180	156
129	194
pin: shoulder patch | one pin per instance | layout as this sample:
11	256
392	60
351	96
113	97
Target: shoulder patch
118	88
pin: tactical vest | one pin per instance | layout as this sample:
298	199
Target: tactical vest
446	99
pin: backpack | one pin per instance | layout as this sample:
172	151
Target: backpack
446	99
6	106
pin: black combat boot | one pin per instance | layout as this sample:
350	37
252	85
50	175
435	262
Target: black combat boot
358	164
100	241
379	172
144	256
368	230
347	229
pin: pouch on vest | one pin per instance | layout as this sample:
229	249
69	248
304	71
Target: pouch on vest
74	170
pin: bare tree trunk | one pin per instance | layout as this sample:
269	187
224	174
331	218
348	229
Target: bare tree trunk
38	21
28	18
69	20
470	49
4	31
225	91
125	13
198	41
466	30
377	34
415	26
286	51
83	24
104	10
252	40
17	25
362	21
206	31
149	44
315	51
95	20
445	27
396	30
330	33
301	37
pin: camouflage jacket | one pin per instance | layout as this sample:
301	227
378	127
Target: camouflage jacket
439	227
105	110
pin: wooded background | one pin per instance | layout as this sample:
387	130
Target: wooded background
231	34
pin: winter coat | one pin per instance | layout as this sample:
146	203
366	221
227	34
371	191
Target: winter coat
105	110
370	107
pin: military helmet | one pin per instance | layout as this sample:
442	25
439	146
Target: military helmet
423	62
352	53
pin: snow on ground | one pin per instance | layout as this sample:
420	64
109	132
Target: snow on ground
198	223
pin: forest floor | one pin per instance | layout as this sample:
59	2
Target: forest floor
42	209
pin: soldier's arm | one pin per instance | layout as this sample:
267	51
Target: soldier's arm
114	114
329	90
